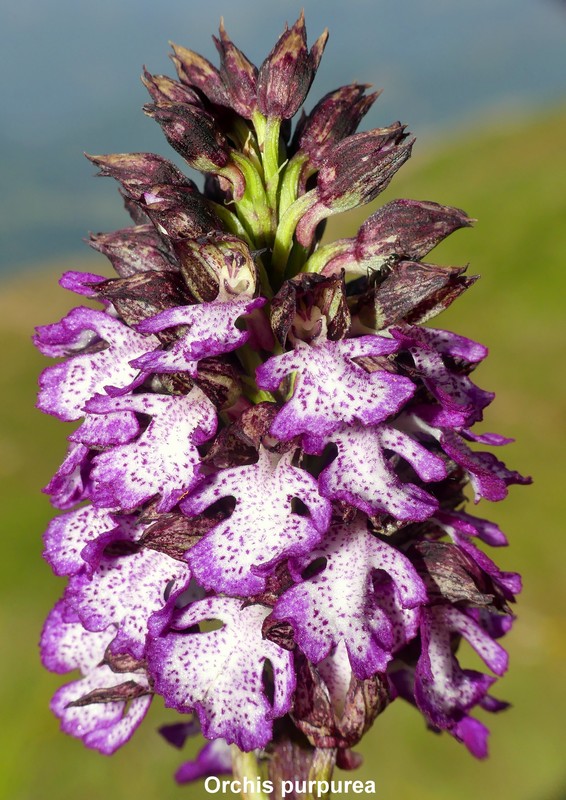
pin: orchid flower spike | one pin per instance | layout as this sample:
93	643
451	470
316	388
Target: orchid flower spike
270	439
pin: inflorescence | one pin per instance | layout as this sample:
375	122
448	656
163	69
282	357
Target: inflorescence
270	439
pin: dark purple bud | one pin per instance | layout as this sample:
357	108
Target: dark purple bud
408	229
303	302
219	380
137	172
132	250
238	74
122	662
408	290
450	575
356	170
165	90
174	533
290	758
144	295
122	693
220	264
179	212
193	133
194	70
238	444
442	299
287	73
333	118
361	166
314	714
365	700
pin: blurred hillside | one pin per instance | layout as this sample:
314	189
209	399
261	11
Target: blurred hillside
512	180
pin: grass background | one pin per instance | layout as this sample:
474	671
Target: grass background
512	178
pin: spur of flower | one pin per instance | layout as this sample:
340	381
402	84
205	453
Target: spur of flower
264	507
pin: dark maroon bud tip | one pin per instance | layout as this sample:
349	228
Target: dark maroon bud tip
287	73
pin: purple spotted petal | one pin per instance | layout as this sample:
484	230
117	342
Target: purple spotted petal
473	734
219	674
509	583
81	282
237	554
454	391
465	523
107	430
71	484
67	535
66	387
330	389
215	758
363	476
101	726
66	646
340	604
211	331
488	476
124	591
164	460
443	691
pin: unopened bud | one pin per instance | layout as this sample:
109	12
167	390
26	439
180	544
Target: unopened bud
287	73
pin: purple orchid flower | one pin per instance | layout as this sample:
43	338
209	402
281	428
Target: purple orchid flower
263	505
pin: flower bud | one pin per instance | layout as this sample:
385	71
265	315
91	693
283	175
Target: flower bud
408	229
144	294
287	73
307	304
179	212
220	266
137	249
137	172
335	116
196	71
410	291
361	166
354	173
193	133
238	74
163	89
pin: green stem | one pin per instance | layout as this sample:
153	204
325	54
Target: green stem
248	143
271	163
231	222
254	205
290	182
286	229
265	285
322	256
296	260
245	766
250	360
321	769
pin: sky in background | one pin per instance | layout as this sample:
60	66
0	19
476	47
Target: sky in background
69	81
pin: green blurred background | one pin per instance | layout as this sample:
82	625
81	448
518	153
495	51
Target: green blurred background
512	180
509	172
